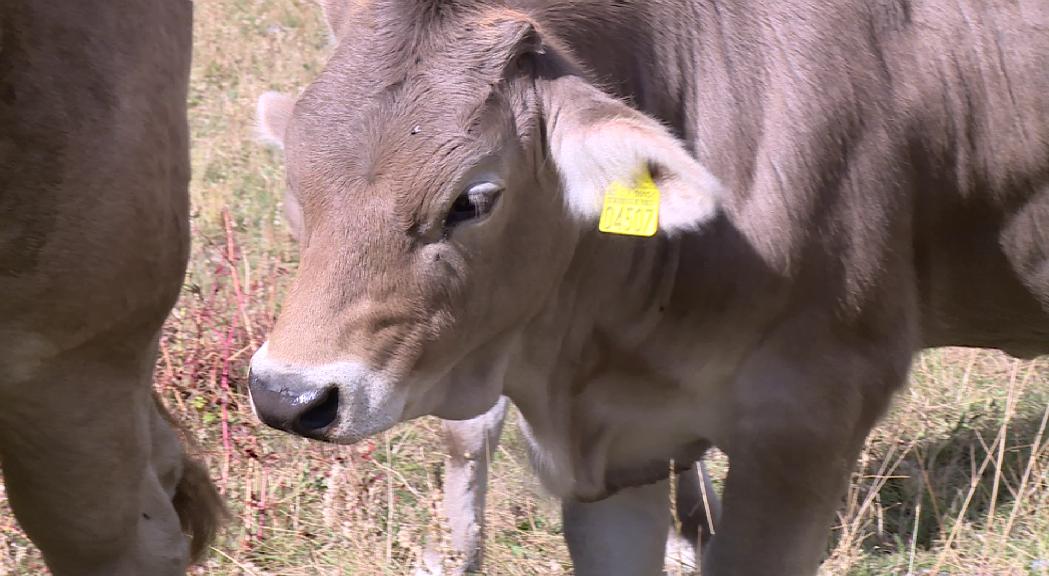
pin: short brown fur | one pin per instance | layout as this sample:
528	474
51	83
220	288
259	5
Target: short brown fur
94	238
885	171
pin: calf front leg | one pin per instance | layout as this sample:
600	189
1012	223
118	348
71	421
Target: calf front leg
778	513
622	535
798	425
471	446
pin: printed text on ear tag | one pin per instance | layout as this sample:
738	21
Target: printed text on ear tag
631	210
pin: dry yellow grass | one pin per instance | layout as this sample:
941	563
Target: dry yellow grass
954	481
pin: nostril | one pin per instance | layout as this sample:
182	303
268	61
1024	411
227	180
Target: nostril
321	412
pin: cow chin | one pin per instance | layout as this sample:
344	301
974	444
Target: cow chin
466	406
341	402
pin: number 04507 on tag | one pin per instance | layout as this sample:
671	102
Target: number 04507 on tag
631	211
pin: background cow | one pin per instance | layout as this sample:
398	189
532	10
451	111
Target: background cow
94	238
835	187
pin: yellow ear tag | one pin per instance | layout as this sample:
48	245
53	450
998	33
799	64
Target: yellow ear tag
633	211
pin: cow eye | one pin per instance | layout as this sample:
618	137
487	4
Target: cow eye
474	203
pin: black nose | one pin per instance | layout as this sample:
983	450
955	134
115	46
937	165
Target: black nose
306	412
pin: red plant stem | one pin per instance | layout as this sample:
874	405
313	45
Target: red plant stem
262	501
224	400
194	358
231	257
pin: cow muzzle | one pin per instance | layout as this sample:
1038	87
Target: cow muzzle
306	413
342	402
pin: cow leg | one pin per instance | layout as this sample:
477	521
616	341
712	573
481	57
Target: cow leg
798	425
777	514
91	467
624	534
695	494
471	446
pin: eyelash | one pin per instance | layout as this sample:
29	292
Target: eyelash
471	205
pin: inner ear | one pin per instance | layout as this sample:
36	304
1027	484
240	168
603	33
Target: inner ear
508	38
528	41
600	144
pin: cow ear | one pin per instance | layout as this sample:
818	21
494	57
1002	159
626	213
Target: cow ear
292	214
336	13
599	143
272	114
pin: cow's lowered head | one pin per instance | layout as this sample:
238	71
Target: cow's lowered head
441	171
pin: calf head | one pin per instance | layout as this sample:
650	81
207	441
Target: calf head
441	171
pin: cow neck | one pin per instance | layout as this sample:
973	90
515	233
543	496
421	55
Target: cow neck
607	346
609	339
572	354
698	67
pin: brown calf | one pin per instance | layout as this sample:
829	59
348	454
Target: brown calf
831	187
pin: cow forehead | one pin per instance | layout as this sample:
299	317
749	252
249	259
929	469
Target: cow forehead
389	144
399	52
400	107
407	141
344	112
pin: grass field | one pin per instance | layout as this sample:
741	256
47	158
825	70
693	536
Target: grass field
954	481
